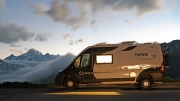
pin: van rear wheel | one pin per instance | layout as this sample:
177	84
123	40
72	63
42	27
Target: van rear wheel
70	84
145	83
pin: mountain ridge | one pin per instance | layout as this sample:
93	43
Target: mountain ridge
33	55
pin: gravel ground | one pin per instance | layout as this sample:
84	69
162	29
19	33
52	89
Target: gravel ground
7	93
167	85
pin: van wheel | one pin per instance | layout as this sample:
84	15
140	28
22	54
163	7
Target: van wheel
70	84
145	83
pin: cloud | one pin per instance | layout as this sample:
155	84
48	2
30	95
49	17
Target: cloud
2	4
60	12
140	7
79	41
16	51
15	45
40	8
75	13
173	3
66	35
11	33
43	72
126	21
72	42
42	37
93	24
25	49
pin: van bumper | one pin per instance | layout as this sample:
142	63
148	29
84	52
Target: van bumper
59	79
158	77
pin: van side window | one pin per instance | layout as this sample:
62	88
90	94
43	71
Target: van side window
85	60
82	61
104	59
77	62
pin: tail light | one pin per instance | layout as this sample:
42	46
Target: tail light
162	67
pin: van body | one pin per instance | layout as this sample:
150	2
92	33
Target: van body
125	63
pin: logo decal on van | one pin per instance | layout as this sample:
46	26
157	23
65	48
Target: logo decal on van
153	55
141	54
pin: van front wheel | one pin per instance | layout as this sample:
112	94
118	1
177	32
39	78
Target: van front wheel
145	83
70	84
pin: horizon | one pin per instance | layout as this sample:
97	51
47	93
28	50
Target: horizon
69	26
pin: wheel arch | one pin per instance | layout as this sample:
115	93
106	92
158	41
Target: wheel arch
70	76
144	75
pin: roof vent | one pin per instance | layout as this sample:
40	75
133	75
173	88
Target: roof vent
128	42
101	44
151	42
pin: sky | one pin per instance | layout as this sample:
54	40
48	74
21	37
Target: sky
62	26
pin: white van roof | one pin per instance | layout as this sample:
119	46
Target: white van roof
123	43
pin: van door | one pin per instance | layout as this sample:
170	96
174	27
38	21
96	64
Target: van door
127	69
125	74
82	68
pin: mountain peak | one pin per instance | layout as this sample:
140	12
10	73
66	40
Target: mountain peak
11	57
47	54
33	51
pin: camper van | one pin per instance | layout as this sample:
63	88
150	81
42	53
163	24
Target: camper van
112	64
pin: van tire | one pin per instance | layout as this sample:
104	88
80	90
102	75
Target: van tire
70	84
145	83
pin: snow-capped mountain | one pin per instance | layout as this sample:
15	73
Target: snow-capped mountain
32	55
6	67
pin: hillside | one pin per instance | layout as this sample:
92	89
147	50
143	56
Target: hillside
174	53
